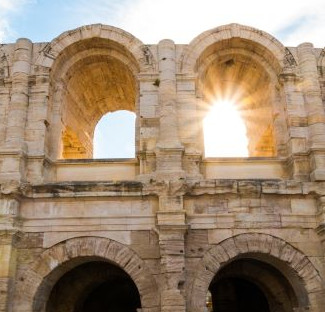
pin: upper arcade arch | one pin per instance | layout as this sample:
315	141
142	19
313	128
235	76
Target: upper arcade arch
93	71
266	45
241	65
36	283
130	43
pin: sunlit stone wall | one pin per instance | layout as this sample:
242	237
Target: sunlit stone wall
170	226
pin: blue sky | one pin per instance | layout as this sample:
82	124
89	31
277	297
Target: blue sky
290	21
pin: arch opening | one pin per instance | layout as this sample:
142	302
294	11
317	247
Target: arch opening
224	118
92	286
235	71
248	284
90	79
107	144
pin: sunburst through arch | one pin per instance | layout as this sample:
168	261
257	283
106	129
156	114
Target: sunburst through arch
224	131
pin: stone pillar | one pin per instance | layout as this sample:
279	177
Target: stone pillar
19	94
15	146
171	222
190	125
8	212
314	109
53	143
172	229
148	122
169	149
297	125
37	124
172	249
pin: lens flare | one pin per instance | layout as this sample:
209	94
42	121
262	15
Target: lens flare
224	131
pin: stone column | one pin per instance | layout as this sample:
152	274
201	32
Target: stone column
172	229
314	109
13	169
8	213
171	222
171	216
19	94
169	149
17	115
190	124
297	125
37	124
148	122
172	249
53	143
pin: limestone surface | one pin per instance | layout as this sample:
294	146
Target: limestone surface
170	230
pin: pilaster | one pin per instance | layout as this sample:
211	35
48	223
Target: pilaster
189	124
169	150
15	146
297	124
172	228
37	124
9	208
315	110
8	257
148	122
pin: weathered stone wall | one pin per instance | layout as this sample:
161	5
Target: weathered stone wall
174	221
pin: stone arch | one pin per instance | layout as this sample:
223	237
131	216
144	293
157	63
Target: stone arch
139	51
72	252
289	261
272	48
257	59
244	64
93	70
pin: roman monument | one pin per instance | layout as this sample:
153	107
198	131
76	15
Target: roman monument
170	230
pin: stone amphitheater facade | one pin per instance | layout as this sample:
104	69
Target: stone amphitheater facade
170	230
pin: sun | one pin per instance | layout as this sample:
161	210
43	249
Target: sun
224	131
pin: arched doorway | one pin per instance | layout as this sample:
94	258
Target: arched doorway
250	285
38	283
94	286
266	266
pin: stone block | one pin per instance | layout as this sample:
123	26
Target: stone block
303	206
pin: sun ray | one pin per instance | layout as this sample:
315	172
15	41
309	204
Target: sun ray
224	131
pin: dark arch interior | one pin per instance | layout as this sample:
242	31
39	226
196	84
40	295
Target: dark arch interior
250	285
94	287
238	295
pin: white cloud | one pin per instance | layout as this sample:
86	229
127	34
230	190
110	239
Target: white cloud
290	21
3	28
96	11
8	10
182	20
7	5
